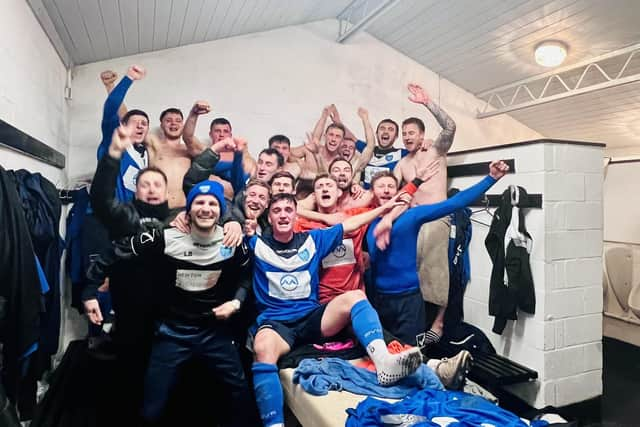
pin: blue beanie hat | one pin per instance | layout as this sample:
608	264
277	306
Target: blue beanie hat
211	188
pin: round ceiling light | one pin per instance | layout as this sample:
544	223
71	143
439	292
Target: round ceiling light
551	53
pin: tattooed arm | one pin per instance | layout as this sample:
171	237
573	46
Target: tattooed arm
445	139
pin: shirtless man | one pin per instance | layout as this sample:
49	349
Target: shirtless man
169	154
166	150
433	241
234	168
282	144
358	155
316	157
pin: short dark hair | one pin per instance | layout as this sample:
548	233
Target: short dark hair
273	152
151	169
337	126
416	121
283	174
219	121
171	110
383	174
279	138
322	176
340	159
254	181
134	112
388	121
283	196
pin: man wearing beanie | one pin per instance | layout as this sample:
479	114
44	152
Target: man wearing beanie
209	283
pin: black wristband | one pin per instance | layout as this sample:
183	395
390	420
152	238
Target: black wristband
417	182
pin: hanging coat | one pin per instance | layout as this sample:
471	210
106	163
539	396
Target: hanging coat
20	292
509	246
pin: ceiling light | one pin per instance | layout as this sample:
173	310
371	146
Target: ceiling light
551	53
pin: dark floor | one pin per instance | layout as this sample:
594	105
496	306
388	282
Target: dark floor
619	405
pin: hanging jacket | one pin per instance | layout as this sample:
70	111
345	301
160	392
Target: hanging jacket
20	289
509	246
42	208
459	265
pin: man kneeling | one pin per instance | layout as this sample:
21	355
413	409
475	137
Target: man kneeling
286	275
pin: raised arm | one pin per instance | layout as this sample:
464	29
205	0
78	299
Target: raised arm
318	130
424	172
189	130
112	213
418	215
354	222
202	165
370	137
335	118
110	119
445	138
109	78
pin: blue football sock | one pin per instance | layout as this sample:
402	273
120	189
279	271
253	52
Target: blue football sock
269	398
365	322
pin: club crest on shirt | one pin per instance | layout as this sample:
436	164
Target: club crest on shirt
304	255
388	157
289	282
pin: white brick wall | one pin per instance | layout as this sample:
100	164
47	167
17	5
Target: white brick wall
562	341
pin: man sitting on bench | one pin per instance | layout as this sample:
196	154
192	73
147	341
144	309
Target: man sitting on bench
286	275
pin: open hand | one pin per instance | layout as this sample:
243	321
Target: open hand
232	232
92	310
426	171
418	95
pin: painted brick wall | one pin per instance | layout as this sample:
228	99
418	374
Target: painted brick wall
562	340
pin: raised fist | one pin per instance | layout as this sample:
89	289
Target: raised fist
136	72
200	107
224	145
498	168
108	77
363	113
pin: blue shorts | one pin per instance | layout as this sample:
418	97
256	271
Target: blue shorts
403	315
300	331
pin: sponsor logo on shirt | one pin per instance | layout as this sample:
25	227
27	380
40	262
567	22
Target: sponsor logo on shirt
340	251
289	282
343	254
289	286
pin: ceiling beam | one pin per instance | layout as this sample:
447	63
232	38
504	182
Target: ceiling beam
495	103
360	13
49	28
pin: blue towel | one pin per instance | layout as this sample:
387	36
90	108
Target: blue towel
318	377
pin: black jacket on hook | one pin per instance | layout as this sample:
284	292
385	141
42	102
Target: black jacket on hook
509	245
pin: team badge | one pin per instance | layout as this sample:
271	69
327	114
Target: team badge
304	255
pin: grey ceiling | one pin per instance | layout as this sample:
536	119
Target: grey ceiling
477	44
